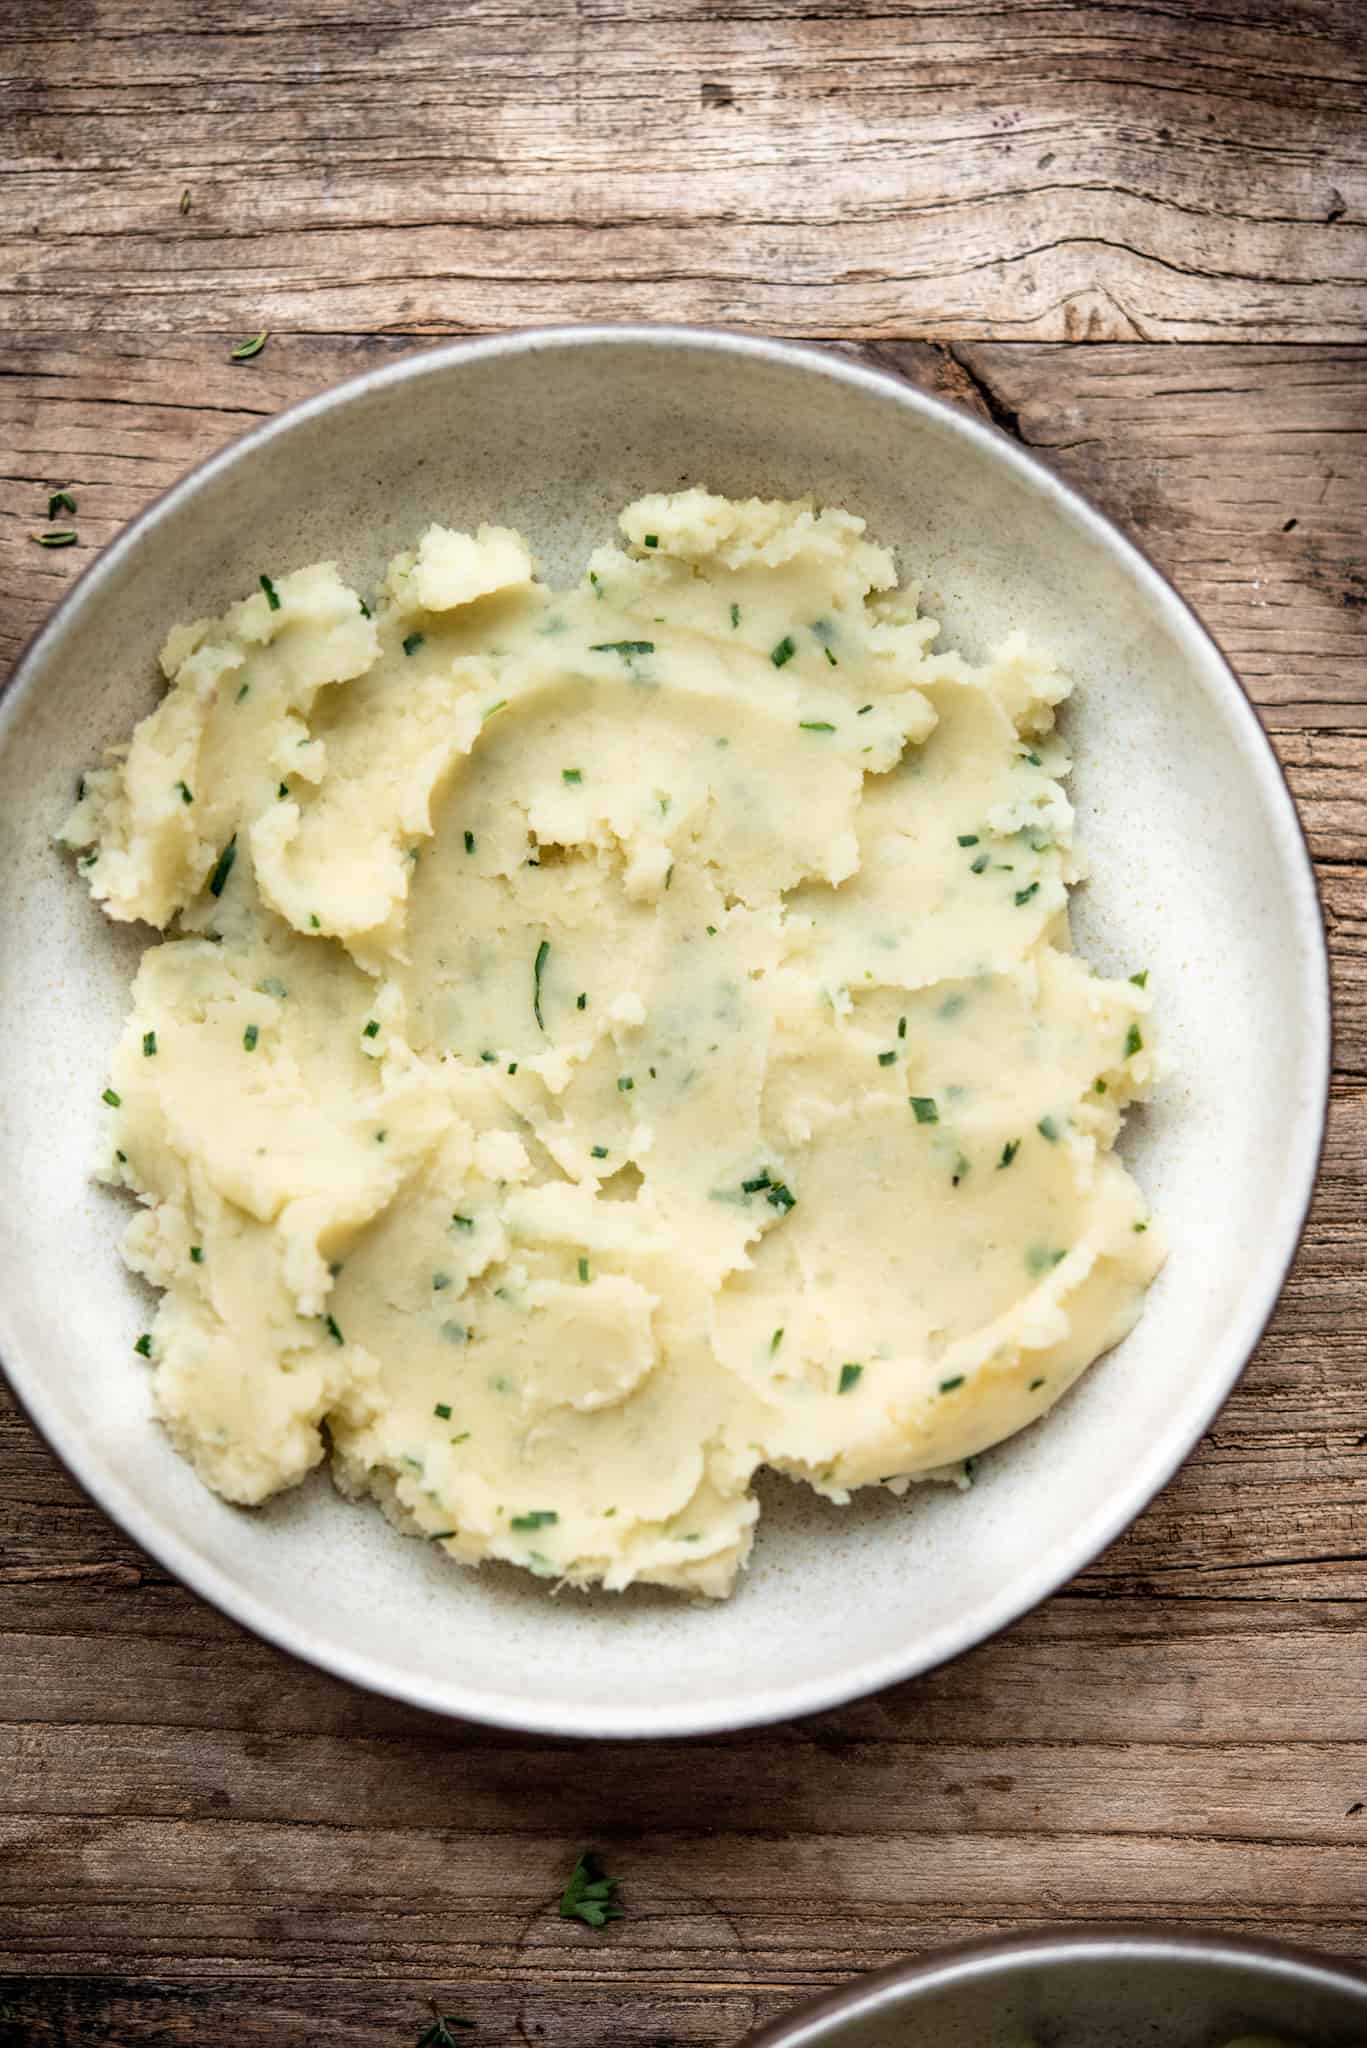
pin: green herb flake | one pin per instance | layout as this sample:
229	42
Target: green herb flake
711	930
784	651
571	775
652	540
314	924
486	715
735	616
272	594
962	1167
583	1272
599	1152
186	793
543	953
781	1197
372	1029
114	1101
143	1347
439	2034
589	1894
56	537
581	1001
850	1376
901	1027
628	649
776	1340
330	1324
196	1254
535	1518
469	842
1099	1086
61	501
223	867
413	641
1141	980
440	1282
489	1057
242	693
1035	1386
625	1084
948	1386
968	839
830	657
245	350
979	866
925	1108
1009	1151
443	1409
365	608
250	1036
462	1222
1023	895
753	1187
149	1044
887	1059
1134	1041
1048	1128
1032	757
815	725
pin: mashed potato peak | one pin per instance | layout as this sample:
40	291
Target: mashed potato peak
612	1039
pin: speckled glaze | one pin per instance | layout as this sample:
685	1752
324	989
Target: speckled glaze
1095	1987
1199	872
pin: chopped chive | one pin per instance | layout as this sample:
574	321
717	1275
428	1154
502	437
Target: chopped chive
143	1347
948	1386
114	1101
462	1222
249	1037
372	1029
961	1167
776	1340
365	608
242	693
1141	980
536	1518
463	1438
583	1272
186	793
314	924
333	1331
185	200
512	1066
624	1084
1035	1386
979	866
1024	895
1047	1128
1099	1086
223	867
1032	757
488	714
62	537
443	1536
781	1197
443	1408
830	657
440	1282
272	594
711	930
1009	1151
149	1044
815	725
598	1152
542	955
901	1027
887	1059
197	1254
282	792
926	1108
581	1001
245	350
968	839
850	1376
1133	1041
469	842
626	648
784	651
652	540
752	1187
1139	1228
489	1058
412	642
735	616
570	775
61	501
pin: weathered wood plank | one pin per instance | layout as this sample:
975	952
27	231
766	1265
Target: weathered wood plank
1081	169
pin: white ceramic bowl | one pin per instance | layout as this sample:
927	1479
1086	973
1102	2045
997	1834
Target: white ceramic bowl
1199	872
1090	1987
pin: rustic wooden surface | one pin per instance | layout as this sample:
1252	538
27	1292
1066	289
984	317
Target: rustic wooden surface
1136	237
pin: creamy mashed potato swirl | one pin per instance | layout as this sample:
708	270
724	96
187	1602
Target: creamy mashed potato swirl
610	1040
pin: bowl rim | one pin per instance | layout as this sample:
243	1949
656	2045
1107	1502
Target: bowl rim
884	1992
782	1700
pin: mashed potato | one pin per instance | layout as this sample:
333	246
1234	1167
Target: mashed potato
612	1039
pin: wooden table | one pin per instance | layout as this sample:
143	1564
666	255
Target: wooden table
1134	237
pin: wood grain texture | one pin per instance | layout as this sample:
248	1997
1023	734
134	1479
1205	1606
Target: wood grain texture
1081	169
202	1841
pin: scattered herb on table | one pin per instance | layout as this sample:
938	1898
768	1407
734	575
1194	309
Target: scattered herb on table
61	537
439	2034
589	1894
61	501
245	350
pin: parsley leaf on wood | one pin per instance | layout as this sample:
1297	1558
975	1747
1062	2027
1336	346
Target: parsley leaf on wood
588	1895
